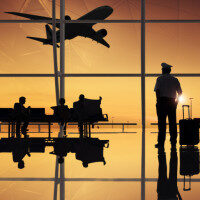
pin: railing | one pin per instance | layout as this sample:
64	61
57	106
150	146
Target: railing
156	124
108	124
74	124
30	124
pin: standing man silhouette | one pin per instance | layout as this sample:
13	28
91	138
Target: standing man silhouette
167	87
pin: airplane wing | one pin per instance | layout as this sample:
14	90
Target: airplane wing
32	17
99	40
99	13
29	16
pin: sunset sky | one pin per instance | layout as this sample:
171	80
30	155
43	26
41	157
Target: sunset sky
176	44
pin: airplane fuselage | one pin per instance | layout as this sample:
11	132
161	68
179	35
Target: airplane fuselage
76	29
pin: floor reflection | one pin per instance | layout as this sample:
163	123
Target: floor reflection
167	185
118	179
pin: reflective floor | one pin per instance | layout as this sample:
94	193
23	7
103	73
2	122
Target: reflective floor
120	178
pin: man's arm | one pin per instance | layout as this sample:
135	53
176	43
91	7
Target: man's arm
157	93
178	89
156	89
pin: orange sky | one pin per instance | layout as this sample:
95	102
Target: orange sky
177	44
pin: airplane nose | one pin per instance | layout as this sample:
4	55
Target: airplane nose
109	9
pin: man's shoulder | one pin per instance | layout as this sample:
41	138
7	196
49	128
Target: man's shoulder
160	77
168	76
16	104
174	78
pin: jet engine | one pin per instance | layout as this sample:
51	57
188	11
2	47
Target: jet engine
102	33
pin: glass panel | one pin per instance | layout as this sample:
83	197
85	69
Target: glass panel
151	189
121	101
186	84
21	190
103	190
123	56
35	166
39	93
19	54
172	9
129	9
190	87
35	7
176	44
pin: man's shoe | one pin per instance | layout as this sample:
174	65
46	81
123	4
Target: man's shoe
158	145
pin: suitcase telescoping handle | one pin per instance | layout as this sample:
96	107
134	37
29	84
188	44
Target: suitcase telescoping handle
183	106
189	187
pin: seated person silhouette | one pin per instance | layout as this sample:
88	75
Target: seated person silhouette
61	113
19	151
87	110
21	115
167	187
80	113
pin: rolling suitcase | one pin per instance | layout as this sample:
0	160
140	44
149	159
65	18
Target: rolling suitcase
189	164
189	130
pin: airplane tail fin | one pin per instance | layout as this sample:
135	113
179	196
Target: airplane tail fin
43	40
48	32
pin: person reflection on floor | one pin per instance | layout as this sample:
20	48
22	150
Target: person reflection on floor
167	187
20	150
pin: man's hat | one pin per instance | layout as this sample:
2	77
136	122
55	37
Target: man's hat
165	66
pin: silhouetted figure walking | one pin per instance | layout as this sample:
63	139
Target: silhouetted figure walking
21	115
61	113
167	187
167	87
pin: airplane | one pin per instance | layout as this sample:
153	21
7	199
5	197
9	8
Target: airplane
73	30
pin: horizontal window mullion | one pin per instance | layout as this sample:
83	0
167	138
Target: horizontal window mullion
101	21
100	75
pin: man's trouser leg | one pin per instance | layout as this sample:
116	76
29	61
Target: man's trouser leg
18	124
161	113
172	124
64	124
80	125
24	127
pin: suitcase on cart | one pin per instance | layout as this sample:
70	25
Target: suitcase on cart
189	130
189	164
